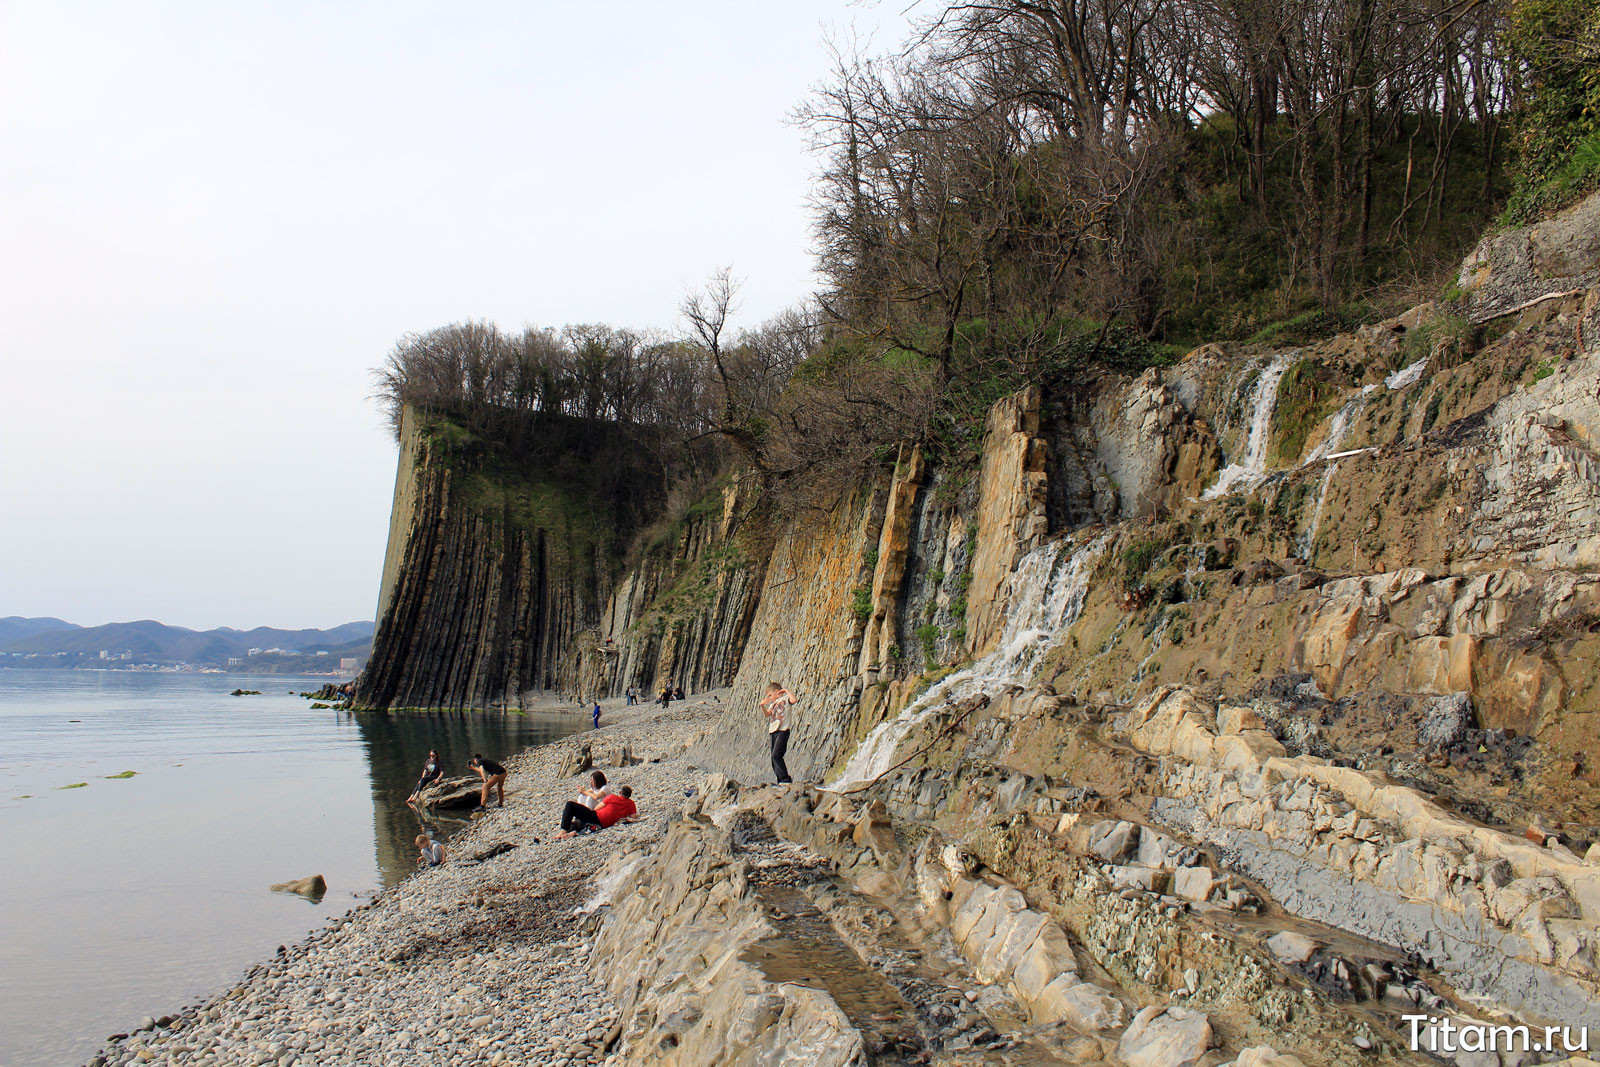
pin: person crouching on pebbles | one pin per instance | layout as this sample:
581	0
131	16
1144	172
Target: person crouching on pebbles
775	706
494	779
613	808
431	852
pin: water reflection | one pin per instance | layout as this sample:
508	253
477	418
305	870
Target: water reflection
397	745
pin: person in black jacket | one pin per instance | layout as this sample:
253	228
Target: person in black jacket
494	779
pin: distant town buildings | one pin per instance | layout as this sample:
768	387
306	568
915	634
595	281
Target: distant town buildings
349	663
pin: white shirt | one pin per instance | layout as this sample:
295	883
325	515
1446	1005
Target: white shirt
780	707
592	802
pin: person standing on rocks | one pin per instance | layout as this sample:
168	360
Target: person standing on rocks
775	706
431	772
494	779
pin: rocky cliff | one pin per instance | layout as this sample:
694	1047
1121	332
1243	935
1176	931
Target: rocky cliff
549	569
1232	712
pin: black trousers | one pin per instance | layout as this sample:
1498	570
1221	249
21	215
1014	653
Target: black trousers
779	739
575	815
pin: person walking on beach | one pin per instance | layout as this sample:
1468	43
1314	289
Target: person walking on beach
775	706
431	852
597	715
613	809
431	772
494	779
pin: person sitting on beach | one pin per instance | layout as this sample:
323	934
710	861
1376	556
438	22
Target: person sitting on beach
494	779
614	808
591	798
431	852
431	772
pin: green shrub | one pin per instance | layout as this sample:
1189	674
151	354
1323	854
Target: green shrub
1305	398
1556	43
1138	558
928	636
861	602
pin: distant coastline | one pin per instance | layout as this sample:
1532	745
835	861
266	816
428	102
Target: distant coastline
145	645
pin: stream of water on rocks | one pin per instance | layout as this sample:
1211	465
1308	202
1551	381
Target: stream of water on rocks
125	897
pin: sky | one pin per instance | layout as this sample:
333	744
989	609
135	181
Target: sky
216	218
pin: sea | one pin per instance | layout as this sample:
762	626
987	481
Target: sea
123	896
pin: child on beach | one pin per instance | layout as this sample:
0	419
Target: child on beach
775	706
494	779
614	808
431	852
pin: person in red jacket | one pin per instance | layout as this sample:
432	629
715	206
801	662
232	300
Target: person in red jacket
614	808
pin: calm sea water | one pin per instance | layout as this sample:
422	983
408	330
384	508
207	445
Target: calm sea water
127	897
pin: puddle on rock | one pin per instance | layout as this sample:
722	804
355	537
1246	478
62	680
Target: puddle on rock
809	952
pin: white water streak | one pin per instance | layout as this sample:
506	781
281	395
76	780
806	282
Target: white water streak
1338	430
1308	540
1407	375
1044	598
1252	462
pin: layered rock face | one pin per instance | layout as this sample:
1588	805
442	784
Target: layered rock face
478	603
505	582
1234	712
1270	717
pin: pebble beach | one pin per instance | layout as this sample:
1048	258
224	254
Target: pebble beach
477	961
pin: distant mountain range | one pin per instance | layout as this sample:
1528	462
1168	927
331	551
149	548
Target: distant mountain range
13	627
148	641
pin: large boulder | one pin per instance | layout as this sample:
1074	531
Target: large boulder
463	791
1176	1037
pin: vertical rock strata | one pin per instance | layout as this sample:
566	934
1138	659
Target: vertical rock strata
1310	755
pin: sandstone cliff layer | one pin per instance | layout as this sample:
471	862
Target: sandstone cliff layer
1232	712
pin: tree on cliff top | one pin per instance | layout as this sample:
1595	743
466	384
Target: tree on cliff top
1190	169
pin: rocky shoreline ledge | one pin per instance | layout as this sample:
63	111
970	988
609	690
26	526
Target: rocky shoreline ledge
473	962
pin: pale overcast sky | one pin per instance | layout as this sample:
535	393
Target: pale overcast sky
216	217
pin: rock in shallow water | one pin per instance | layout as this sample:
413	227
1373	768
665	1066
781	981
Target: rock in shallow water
314	887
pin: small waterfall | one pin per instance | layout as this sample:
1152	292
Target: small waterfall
1407	375
1045	597
1157	641
1252	462
1338	430
1309	538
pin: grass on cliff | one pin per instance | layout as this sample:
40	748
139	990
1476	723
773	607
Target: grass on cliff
1307	394
564	488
